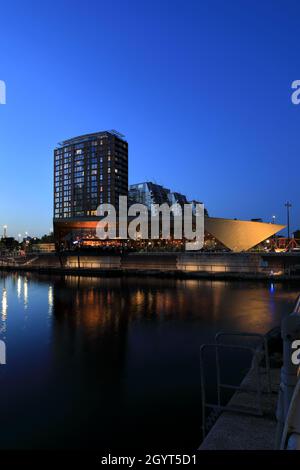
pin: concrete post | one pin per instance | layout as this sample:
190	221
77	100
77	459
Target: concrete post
291	434
290	331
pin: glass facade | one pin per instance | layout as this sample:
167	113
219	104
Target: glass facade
89	170
148	193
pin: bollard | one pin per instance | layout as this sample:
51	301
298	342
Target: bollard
290	331
291	434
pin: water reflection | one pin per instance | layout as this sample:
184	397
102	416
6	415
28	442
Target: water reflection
115	362
19	287
4	306
272	288
50	300
135	344
25	290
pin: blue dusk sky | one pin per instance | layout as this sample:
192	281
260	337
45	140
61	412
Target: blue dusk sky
200	88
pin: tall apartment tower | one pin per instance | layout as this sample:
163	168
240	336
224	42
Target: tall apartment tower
89	170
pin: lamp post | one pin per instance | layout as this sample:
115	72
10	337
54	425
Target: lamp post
288	205
273	219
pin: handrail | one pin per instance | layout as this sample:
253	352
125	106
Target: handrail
266	350
255	363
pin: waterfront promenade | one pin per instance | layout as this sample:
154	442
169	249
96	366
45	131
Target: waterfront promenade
237	431
274	266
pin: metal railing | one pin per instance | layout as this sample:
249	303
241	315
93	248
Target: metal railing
257	354
264	353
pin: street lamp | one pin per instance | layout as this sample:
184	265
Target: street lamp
273	219
288	205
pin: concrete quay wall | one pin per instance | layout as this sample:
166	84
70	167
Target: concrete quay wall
216	265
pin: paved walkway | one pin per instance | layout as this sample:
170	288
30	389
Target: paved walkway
237	431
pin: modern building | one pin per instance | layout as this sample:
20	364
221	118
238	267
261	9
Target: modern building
93	169
297	234
88	170
231	235
239	235
177	198
194	206
43	248
150	193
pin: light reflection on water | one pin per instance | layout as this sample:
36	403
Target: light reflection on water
19	287
3	309
25	290
50	300
110	362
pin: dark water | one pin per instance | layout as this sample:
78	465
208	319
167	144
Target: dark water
114	363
